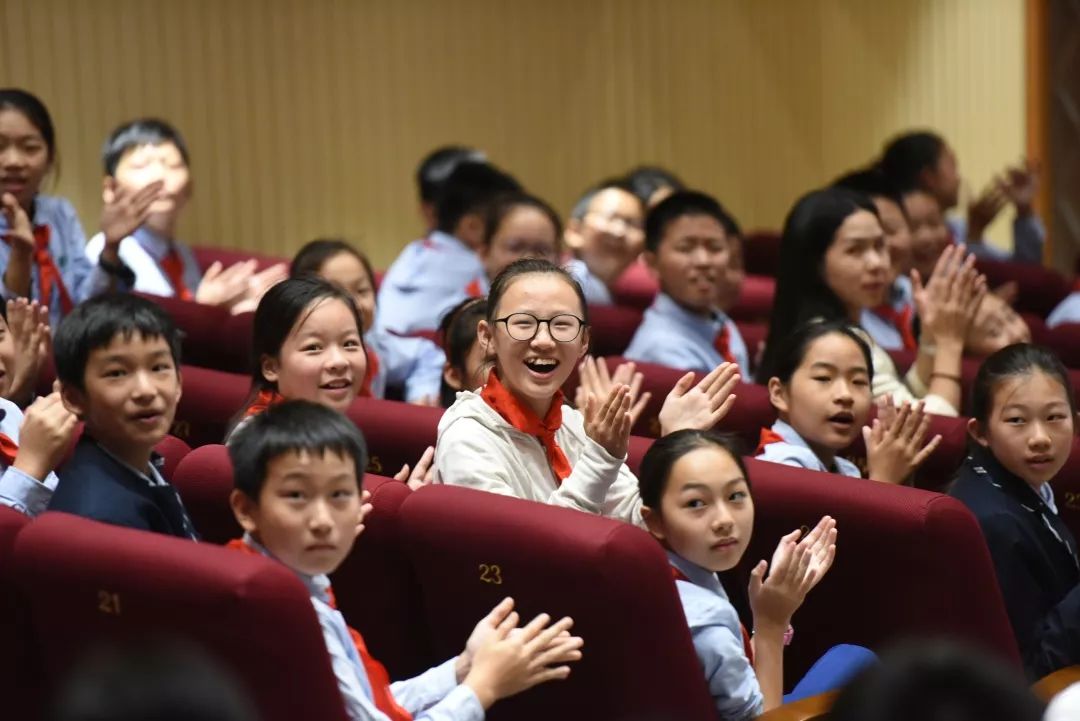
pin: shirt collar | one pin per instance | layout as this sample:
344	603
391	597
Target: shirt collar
318	586
697	575
984	464
792	437
439	238
152	479
155	245
666	305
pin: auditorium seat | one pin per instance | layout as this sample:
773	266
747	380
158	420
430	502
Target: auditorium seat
761	252
636	287
397	433
172	451
471	549
203	342
755	299
1066	487
204	480
211	399
250	613
1064	340
19	673
612	327
1039	289
206	255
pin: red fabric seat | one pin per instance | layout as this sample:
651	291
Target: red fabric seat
211	399
761	252
636	287
611	328
251	613
397	433
172	451
19	672
1064	340
375	587
754	335
1066	487
206	255
471	549
1040	289
204	343
755	299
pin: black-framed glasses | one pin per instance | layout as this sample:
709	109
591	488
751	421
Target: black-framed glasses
563	328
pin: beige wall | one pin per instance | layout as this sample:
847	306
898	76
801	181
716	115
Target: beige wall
306	117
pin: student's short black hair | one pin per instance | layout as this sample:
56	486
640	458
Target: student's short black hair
457	330
137	133
437	165
678	204
937	681
873	183
793	347
665	452
581	207
309	259
291	427
907	155
469	189
645	180
96	322
1018	359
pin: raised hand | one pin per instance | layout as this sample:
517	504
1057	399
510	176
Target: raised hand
45	436
894	447
609	424
1020	184
125	210
28	323
797	566
20	232
702	406
422	474
594	379
983	209
365	509
225	286
948	302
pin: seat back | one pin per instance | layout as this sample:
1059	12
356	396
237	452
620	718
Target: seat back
611	328
204	480
1039	289
206	255
1066	487
1064	340
209	402
251	613
397	433
472	549
201	326
761	252
19	672
636	287
755	300
172	451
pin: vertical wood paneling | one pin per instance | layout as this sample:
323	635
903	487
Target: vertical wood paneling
307	118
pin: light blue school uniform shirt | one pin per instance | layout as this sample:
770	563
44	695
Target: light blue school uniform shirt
143	251
794	451
428	279
717	635
416	364
432	696
1029	235
19	490
881	329
596	293
67	246
1067	311
672	336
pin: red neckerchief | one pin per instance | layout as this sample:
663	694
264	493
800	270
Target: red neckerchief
748	647
8	449
48	272
901	320
378	679
473	289
372	371
722	342
173	267
263	400
768	435
525	420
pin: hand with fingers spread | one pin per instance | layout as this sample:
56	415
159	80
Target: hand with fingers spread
594	379
702	406
225	286
258	284
510	660
797	566
125	211
422	474
20	231
365	509
982	210
45	436
894	446
1020	184
948	302
28	323
609	424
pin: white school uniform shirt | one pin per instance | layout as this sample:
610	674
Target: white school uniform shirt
794	451
717	635
143	251
673	336
1067	311
428	279
596	292
882	330
434	695
477	448
19	490
410	362
1029	236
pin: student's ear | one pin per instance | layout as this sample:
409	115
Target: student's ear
269	366
485	334
108	189
586	338
572	236
470	230
74	400
778	396
244	509
651	262
975	430
653	522
453	377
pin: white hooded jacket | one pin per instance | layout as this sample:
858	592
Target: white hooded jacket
478	449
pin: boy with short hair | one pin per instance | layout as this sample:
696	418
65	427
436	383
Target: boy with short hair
143	152
434	274
298	468
605	235
432	173
118	363
687	246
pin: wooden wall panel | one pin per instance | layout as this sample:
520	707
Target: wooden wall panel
307	117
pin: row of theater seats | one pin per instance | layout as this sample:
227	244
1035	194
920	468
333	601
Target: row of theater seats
432	562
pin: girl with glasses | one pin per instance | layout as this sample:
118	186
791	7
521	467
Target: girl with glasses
515	437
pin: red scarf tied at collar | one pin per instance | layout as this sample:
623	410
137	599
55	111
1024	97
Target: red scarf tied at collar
525	420
264	400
